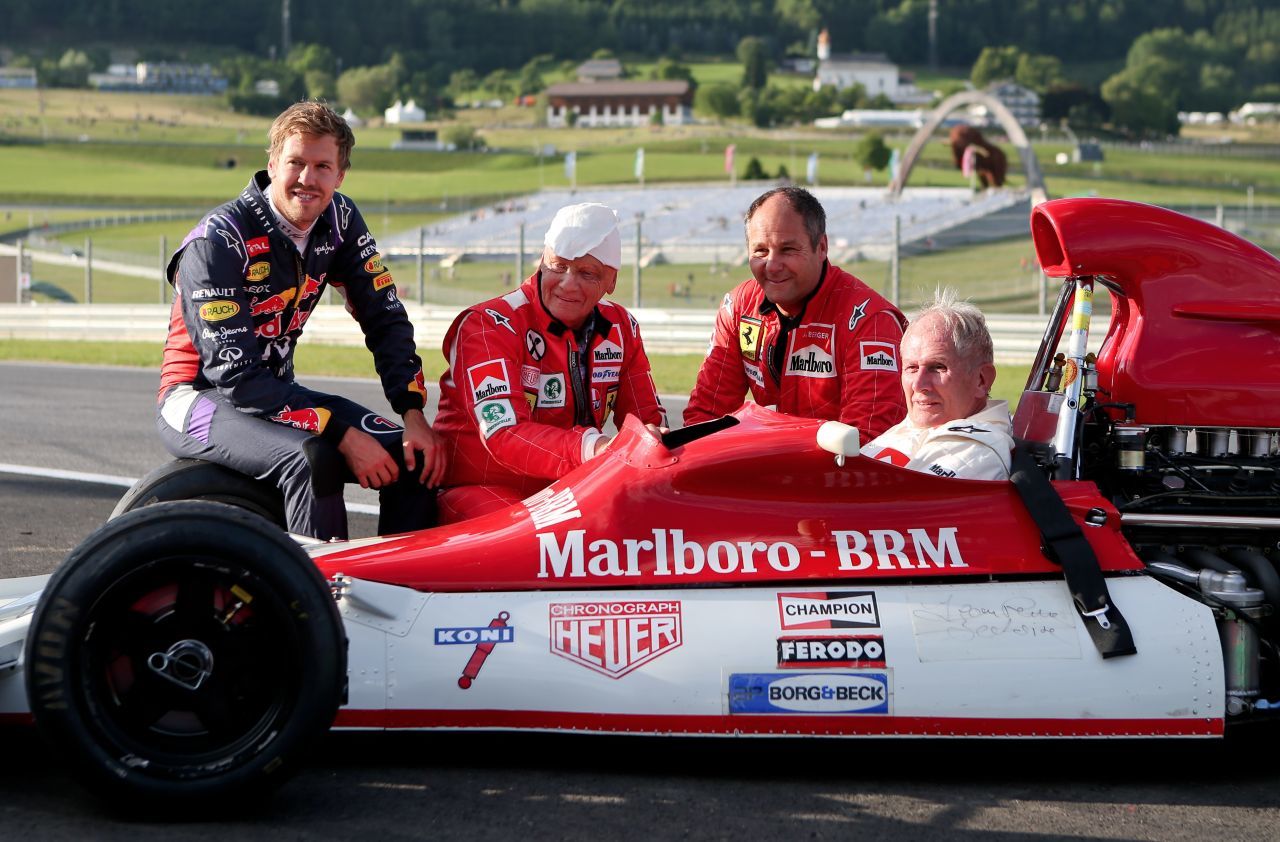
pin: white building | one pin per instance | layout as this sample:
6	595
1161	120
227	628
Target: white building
1023	104
17	77
873	71
407	112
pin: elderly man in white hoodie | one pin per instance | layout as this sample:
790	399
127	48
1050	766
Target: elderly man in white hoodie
952	428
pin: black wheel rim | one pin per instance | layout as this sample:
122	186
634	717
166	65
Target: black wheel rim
189	662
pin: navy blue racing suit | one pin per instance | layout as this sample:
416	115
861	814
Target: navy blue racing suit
242	294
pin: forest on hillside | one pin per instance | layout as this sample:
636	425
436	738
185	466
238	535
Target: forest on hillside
442	35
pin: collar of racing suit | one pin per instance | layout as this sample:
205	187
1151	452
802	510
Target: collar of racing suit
777	352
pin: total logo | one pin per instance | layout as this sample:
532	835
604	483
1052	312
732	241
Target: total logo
813	693
615	638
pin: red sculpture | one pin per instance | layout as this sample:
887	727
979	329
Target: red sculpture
988	161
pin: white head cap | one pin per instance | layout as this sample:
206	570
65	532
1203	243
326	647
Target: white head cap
587	228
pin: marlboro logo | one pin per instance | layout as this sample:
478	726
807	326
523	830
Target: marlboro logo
489	380
617	637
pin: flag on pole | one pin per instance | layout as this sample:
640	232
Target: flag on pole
570	165
728	157
640	163
967	162
811	172
895	163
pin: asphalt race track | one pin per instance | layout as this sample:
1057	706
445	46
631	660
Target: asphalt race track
542	786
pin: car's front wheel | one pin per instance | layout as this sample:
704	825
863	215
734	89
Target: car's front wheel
185	651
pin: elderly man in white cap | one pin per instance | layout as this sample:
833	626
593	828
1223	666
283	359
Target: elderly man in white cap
534	375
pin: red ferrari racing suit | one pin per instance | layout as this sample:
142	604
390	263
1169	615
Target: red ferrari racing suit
524	398
836	360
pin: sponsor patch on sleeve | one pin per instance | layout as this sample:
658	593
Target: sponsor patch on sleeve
878	356
489	380
382	281
374	265
257	246
258	272
216	311
529	376
494	415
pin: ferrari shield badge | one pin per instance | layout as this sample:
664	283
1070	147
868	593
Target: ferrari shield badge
749	338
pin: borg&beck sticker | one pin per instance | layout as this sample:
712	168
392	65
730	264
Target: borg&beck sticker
828	610
827	692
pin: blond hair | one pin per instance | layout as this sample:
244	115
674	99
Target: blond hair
312	118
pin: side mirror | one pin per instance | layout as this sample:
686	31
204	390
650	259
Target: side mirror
840	439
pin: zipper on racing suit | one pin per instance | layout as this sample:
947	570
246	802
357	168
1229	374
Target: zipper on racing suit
583	412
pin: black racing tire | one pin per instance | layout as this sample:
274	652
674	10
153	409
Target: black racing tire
183	653
196	479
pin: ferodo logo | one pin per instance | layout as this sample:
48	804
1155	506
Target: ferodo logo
828	610
216	311
258	271
374	265
810	652
614	638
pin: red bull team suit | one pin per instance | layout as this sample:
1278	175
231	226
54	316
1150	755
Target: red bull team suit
836	359
525	397
242	293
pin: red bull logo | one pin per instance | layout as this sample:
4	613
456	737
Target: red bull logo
274	304
419	384
269	329
311	420
311	287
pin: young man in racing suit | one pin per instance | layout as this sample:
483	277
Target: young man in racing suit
803	335
245	281
534	375
952	428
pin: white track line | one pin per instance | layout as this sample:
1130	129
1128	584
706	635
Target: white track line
121	482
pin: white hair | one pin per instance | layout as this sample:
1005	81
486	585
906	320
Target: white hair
963	321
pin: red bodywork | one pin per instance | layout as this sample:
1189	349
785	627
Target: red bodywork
760	502
763	482
1196	310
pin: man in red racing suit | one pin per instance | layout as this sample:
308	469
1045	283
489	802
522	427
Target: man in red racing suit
534	375
245	281
803	336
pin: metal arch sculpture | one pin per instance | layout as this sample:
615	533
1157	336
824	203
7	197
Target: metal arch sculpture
1035	179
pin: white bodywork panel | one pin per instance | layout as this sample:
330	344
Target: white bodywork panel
957	651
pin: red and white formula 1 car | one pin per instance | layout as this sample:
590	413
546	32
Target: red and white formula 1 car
751	576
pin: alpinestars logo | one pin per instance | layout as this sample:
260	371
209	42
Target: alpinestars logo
615	638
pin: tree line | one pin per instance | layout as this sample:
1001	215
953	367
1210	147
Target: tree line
1172	55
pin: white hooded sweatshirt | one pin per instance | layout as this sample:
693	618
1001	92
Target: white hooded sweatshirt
977	447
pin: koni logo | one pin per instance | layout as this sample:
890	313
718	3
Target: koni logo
615	638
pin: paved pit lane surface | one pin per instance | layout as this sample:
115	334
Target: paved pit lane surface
515	787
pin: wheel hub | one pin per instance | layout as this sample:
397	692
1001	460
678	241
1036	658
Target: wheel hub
186	663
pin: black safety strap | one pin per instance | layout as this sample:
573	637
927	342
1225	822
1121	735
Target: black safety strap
1065	544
